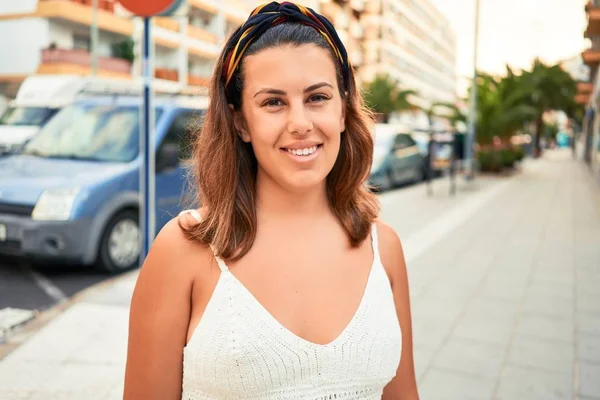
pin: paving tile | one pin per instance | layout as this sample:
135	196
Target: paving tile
432	307
557	290
430	332
542	354
518	383
548	305
587	303
17	376
446	385
471	357
494	308
545	327
447	291
80	381
589	348
503	290
589	380
588	324
555	275
422	357
487	330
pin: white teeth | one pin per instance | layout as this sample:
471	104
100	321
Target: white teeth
303	152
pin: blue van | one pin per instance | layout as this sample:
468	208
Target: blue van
72	193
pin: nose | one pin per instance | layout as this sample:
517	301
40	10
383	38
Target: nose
299	122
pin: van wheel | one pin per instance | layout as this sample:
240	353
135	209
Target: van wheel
120	246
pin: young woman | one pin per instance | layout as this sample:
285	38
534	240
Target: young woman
284	285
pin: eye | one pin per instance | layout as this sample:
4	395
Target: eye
318	98
272	103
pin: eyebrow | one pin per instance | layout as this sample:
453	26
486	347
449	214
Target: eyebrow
283	93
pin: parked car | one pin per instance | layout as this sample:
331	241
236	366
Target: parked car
38	99
396	159
72	193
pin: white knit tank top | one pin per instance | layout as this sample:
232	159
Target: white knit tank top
240	351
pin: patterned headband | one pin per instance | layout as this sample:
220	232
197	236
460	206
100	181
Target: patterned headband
268	15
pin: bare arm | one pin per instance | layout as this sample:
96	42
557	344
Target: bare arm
159	318
404	384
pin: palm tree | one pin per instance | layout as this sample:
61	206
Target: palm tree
456	114
550	88
502	109
383	96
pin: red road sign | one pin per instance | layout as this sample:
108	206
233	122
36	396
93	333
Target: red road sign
147	8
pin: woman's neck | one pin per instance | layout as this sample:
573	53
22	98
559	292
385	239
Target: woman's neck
275	200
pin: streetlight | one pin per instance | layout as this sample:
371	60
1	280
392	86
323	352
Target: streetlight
470	140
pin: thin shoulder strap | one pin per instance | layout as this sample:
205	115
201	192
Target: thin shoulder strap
374	241
196	215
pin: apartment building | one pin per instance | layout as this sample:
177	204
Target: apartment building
408	39
589	89
54	37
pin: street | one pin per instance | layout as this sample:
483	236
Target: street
30	287
504	281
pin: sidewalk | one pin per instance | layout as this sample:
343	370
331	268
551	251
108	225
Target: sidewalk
505	288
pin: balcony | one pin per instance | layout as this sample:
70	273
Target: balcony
585	87
201	34
79	62
236	11
80	12
209	6
166	23
166	74
582	98
196	80
104	5
591	56
593	12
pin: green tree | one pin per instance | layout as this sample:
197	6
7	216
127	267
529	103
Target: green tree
502	108
384	96
455	114
550	88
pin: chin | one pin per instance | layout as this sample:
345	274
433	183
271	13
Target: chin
305	183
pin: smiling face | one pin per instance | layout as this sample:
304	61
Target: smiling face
292	113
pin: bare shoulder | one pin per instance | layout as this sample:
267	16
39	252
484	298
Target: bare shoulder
390	251
173	258
160	313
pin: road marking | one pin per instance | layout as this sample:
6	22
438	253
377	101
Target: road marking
46	285
422	240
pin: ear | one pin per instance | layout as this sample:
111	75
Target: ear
240	126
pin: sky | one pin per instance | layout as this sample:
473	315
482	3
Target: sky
514	32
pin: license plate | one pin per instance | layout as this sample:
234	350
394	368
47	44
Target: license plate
2	233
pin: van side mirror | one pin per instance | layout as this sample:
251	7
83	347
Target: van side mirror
167	157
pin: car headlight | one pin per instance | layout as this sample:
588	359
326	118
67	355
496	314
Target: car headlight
55	204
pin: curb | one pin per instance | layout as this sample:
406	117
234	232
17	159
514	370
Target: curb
22	333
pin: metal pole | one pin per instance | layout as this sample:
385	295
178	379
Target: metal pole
94	37
470	140
147	189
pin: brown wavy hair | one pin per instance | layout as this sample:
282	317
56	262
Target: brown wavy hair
224	167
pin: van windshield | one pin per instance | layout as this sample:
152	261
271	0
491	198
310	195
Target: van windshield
90	132
26	116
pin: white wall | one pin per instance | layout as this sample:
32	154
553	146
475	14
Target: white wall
17	6
61	35
166	58
21	42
